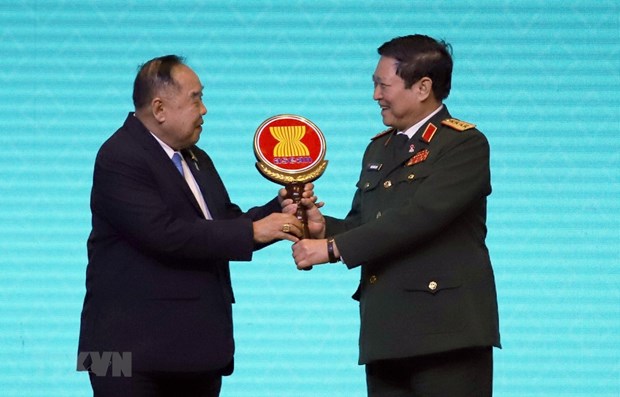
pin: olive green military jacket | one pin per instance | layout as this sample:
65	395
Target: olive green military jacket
417	228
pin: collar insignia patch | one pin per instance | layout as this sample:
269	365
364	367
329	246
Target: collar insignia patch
429	132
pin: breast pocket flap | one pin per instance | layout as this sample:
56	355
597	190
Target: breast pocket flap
433	285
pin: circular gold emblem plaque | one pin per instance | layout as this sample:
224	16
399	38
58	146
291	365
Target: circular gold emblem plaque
290	149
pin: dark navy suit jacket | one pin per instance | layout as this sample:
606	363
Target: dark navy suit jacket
158	281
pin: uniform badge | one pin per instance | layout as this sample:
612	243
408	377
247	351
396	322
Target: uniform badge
458	124
429	132
374	167
411	148
418	157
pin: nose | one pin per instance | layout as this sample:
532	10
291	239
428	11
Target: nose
376	95
203	109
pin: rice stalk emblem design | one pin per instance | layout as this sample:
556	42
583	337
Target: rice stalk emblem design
289	141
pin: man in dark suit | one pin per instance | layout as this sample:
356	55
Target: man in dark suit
428	303
158	286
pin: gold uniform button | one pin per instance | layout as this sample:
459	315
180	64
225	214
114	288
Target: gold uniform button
410	176
432	285
378	214
372	279
387	184
366	185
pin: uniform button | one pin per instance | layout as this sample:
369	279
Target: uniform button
432	285
372	279
366	185
378	214
387	184
410	176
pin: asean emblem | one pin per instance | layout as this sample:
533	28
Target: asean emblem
290	150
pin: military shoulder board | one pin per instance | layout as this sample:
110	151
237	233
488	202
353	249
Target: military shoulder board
382	133
458	124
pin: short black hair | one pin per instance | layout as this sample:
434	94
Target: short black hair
153	76
421	56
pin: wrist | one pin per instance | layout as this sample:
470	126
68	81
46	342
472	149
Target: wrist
331	254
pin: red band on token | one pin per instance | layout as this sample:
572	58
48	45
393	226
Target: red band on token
290	144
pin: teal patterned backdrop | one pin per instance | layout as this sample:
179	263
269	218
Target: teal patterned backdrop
540	79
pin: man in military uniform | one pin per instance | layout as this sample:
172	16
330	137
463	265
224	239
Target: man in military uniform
417	228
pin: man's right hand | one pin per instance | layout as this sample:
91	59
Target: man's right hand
277	226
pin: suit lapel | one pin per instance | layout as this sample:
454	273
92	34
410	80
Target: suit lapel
420	140
207	183
404	154
173	175
161	160
188	192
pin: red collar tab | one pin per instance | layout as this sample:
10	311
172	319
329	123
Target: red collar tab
429	133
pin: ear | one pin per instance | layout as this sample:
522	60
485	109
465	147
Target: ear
425	88
157	109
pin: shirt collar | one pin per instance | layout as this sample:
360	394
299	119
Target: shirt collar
169	151
410	132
